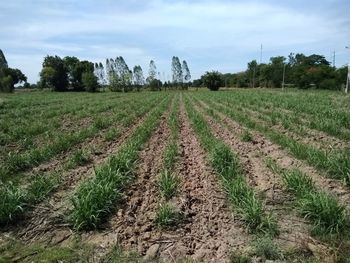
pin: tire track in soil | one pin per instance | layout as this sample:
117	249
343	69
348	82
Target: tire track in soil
294	231
266	148
46	221
210	232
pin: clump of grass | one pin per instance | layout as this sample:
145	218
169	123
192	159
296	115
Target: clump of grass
247	136
167	216
111	134
168	184
237	257
41	185
78	158
101	123
265	248
12	202
324	210
297	182
250	207
170	155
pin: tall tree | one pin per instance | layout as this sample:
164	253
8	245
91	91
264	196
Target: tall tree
186	72
139	79
9	77
54	73
75	69
152	72
99	72
176	71
3	62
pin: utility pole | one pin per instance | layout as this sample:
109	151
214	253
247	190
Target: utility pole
261	48
334	59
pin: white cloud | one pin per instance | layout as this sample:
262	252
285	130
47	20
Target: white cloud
225	34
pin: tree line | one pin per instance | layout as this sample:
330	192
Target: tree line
297	70
69	73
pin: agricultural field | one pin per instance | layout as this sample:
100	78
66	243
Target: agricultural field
242	175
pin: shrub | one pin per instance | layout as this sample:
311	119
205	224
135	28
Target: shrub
213	80
89	81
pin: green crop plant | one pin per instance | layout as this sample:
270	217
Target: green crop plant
167	216
96	197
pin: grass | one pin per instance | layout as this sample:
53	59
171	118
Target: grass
77	158
266	249
322	209
97	197
12	202
247	136
227	167
167	216
16	251
335	163
15	200
168	184
111	134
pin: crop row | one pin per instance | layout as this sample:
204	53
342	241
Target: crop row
15	162
318	109
97	197
168	181
18	199
335	163
227	166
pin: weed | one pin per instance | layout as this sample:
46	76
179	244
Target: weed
167	216
12	202
168	184
247	136
40	186
324	211
77	158
265	248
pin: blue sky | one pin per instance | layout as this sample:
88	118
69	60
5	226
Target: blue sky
210	35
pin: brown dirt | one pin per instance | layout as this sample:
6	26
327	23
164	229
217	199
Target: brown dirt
285	160
211	232
293	230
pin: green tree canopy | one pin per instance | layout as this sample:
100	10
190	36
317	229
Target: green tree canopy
213	80
54	73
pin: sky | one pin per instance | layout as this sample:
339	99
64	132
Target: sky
218	35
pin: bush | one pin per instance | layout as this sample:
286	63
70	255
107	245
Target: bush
89	81
213	80
329	84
